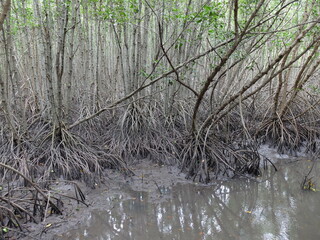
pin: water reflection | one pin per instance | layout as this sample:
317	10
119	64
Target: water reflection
272	208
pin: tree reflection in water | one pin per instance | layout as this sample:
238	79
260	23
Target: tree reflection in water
273	207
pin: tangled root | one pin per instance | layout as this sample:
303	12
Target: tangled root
287	135
47	155
71	157
28	202
208	157
143	132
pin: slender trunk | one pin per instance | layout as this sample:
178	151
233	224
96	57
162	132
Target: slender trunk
74	9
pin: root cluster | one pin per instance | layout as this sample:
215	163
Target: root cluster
23	200
120	137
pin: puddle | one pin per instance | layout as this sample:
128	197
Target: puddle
273	207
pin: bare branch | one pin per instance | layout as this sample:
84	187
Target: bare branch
5	10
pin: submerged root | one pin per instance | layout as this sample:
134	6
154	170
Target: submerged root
208	157
288	135
308	183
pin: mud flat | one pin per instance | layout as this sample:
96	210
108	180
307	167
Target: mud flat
153	179
159	203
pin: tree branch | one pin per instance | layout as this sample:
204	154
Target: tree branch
3	15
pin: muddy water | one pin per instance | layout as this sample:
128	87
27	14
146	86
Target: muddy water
271	207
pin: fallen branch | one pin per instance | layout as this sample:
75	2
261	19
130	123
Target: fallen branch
33	185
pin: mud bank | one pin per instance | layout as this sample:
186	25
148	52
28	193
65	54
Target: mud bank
166	188
149	177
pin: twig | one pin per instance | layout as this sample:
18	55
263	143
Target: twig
157	187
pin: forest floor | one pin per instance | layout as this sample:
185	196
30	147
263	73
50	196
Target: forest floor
149	177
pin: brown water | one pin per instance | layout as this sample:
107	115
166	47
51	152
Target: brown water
271	207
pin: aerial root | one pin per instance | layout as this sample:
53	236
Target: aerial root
287	135
31	203
72	157
144	133
208	157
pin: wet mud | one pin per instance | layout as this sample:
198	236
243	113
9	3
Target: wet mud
158	203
